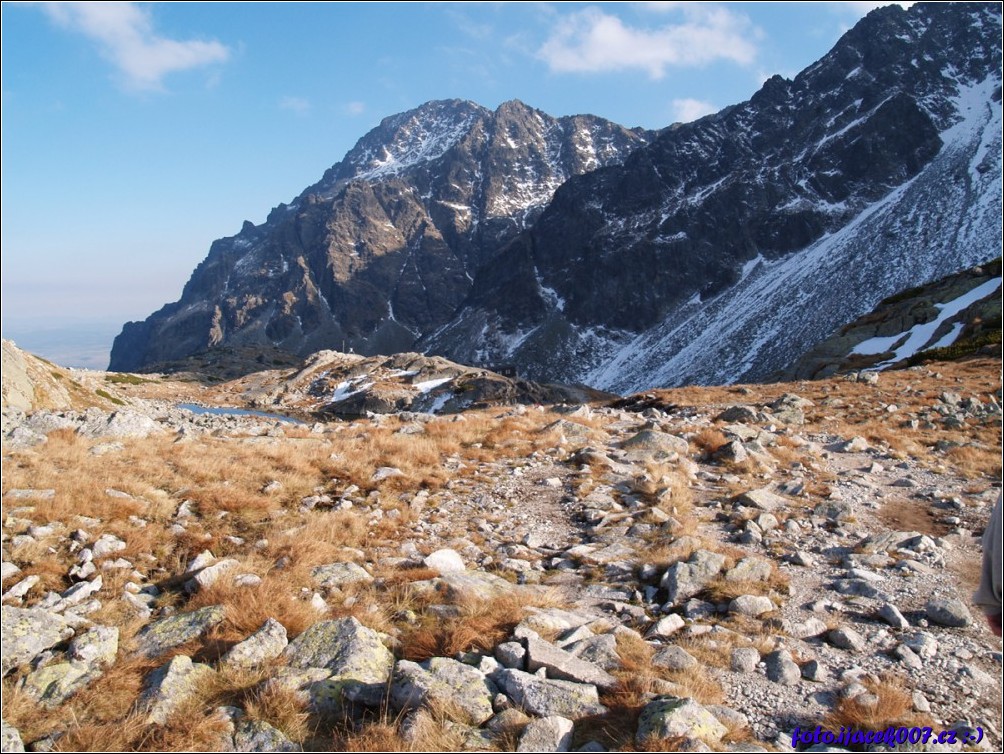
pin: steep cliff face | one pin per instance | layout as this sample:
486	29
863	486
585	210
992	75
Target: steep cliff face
711	252
729	246
384	248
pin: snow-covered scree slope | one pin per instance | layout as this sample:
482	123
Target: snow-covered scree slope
728	247
781	308
384	248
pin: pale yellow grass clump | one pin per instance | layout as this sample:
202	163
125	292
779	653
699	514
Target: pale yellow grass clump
894	708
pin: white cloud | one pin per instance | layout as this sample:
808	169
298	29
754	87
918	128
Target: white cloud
126	37
591	40
355	108
687	109
297	105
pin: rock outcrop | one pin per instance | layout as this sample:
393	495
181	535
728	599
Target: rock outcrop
384	248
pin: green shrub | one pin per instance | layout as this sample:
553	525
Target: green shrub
124	379
109	397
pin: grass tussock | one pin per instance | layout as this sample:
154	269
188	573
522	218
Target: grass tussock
894	707
480	626
709	440
638	680
432	728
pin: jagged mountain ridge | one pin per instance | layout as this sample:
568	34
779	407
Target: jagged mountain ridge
383	249
721	251
728	247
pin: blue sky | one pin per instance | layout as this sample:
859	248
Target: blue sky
134	134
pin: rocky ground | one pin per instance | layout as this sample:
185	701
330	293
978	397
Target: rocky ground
690	569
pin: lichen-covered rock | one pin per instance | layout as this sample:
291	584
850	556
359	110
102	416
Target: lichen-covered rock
307	684
166	633
98	645
27	632
264	644
668	717
258	735
10	738
564	665
356	656
339	574
551	733
442	681
170	685
543	696
53	684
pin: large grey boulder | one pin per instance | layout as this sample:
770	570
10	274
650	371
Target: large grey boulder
359	662
27	632
948	612
752	605
258	735
781	668
340	574
674	658
462	586
446	682
170	686
652	444
564	665
750	569
544	697
846	638
209	575
170	632
669	717
263	645
551	733
445	561
683	580
600	650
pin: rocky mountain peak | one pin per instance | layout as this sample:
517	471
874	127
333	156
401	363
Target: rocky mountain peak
728	246
712	251
384	248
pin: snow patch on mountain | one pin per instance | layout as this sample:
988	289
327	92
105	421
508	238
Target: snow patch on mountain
782	307
906	344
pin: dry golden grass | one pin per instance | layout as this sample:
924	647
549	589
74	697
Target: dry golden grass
975	462
638	679
709	440
480	626
895	707
430	729
665	487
